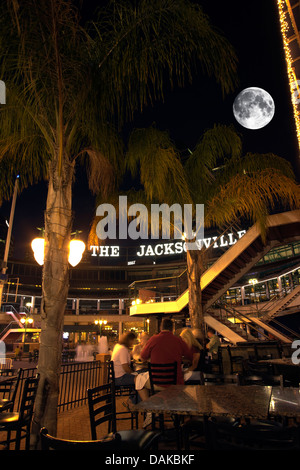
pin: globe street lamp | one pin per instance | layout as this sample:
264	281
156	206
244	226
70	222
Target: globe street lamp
253	282
26	321
100	323
76	249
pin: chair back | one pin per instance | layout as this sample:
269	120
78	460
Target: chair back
162	375
102	408
109	443
28	398
220	379
7	372
9	390
119	389
111	372
6	387
6	363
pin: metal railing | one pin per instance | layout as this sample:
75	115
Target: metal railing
228	312
169	287
231	311
11	325
75	379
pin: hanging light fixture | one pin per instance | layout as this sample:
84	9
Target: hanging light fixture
76	249
38	247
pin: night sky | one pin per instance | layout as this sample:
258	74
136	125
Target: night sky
253	29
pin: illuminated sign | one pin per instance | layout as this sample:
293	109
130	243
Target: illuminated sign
170	248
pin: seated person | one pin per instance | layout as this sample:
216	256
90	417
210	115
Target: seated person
193	372
213	344
121	357
136	352
164	348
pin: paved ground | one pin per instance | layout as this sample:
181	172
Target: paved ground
74	424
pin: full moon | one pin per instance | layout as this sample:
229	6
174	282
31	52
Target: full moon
253	108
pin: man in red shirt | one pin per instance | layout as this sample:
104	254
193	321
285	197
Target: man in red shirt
166	348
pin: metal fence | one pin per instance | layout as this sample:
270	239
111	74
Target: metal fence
75	379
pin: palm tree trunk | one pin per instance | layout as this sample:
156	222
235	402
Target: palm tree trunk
195	268
55	285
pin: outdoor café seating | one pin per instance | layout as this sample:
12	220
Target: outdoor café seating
162	375
20	422
102	406
8	391
124	391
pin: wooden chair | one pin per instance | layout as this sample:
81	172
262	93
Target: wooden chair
9	390
124	391
20	422
110	443
102	410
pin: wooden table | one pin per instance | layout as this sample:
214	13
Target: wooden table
214	400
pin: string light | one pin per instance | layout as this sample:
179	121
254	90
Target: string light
293	83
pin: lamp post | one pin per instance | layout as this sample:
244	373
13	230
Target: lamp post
25	321
100	323
253	282
8	238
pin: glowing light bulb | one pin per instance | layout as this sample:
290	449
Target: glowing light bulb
76	248
285	11
38	246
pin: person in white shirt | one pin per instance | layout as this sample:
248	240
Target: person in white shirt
121	358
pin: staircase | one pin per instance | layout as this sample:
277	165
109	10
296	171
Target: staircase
232	265
229	268
232	331
281	305
16	316
254	323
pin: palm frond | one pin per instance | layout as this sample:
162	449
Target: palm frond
218	147
252	197
142	46
153	156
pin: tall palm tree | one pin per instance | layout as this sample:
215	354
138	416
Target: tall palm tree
69	87
230	185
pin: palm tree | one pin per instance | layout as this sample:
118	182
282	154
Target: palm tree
69	87
230	185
